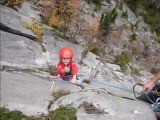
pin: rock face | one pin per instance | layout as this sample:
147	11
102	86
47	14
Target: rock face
65	86
91	60
13	21
24	92
114	108
27	88
29	10
20	52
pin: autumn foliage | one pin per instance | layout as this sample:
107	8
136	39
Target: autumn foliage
64	13
12	3
35	27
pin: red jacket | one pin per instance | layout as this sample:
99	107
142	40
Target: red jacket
72	66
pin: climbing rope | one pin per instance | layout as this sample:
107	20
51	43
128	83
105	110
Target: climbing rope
92	87
155	105
117	87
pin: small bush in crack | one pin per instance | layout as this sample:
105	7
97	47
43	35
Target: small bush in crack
63	113
122	60
107	20
90	108
59	93
35	27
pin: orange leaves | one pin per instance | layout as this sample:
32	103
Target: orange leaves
64	13
64	17
54	20
35	27
12	3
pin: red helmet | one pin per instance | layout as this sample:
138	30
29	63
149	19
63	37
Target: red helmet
66	53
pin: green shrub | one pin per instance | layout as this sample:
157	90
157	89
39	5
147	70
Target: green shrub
122	60
5	114
59	93
63	113
107	20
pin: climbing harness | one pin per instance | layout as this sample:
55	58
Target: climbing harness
149	97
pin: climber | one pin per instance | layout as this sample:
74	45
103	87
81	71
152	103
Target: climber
151	84
67	68
150	93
